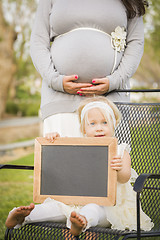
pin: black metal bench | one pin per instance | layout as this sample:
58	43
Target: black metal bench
140	127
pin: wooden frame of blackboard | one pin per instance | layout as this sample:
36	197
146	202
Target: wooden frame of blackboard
109	145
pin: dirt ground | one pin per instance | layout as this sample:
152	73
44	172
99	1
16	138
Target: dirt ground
15	154
15	134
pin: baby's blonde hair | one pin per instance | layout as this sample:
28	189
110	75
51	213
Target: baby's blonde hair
116	112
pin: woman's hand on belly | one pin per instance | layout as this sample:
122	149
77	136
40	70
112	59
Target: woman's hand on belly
71	87
100	86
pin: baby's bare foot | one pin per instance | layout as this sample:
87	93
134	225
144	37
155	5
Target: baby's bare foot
18	215
78	223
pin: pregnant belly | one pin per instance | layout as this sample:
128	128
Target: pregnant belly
86	53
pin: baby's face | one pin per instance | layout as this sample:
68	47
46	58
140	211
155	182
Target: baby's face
97	126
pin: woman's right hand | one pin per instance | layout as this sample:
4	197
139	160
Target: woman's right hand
71	87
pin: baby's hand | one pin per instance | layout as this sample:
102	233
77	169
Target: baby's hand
52	136
116	163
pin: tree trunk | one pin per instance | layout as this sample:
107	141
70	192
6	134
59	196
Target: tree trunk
7	66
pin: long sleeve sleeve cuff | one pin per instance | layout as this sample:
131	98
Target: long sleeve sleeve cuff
114	82
57	83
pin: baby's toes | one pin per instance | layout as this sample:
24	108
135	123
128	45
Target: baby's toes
20	208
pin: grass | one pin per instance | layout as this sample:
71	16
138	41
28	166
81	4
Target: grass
146	149
16	189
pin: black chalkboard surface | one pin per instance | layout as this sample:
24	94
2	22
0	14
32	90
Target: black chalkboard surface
75	170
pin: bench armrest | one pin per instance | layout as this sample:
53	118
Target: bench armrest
138	187
10	166
139	183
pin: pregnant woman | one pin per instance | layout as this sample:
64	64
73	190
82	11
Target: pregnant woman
84	48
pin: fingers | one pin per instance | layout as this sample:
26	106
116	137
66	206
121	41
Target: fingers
99	87
73	78
71	86
89	89
116	163
52	136
70	78
99	80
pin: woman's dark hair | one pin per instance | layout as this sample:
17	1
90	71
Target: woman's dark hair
135	7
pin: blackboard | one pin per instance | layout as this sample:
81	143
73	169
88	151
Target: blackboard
75	170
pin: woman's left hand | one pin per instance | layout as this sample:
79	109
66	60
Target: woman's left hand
100	86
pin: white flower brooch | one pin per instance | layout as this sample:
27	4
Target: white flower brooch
118	39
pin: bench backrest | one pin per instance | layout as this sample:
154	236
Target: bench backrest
140	127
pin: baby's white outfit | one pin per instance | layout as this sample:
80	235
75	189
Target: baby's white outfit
121	216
